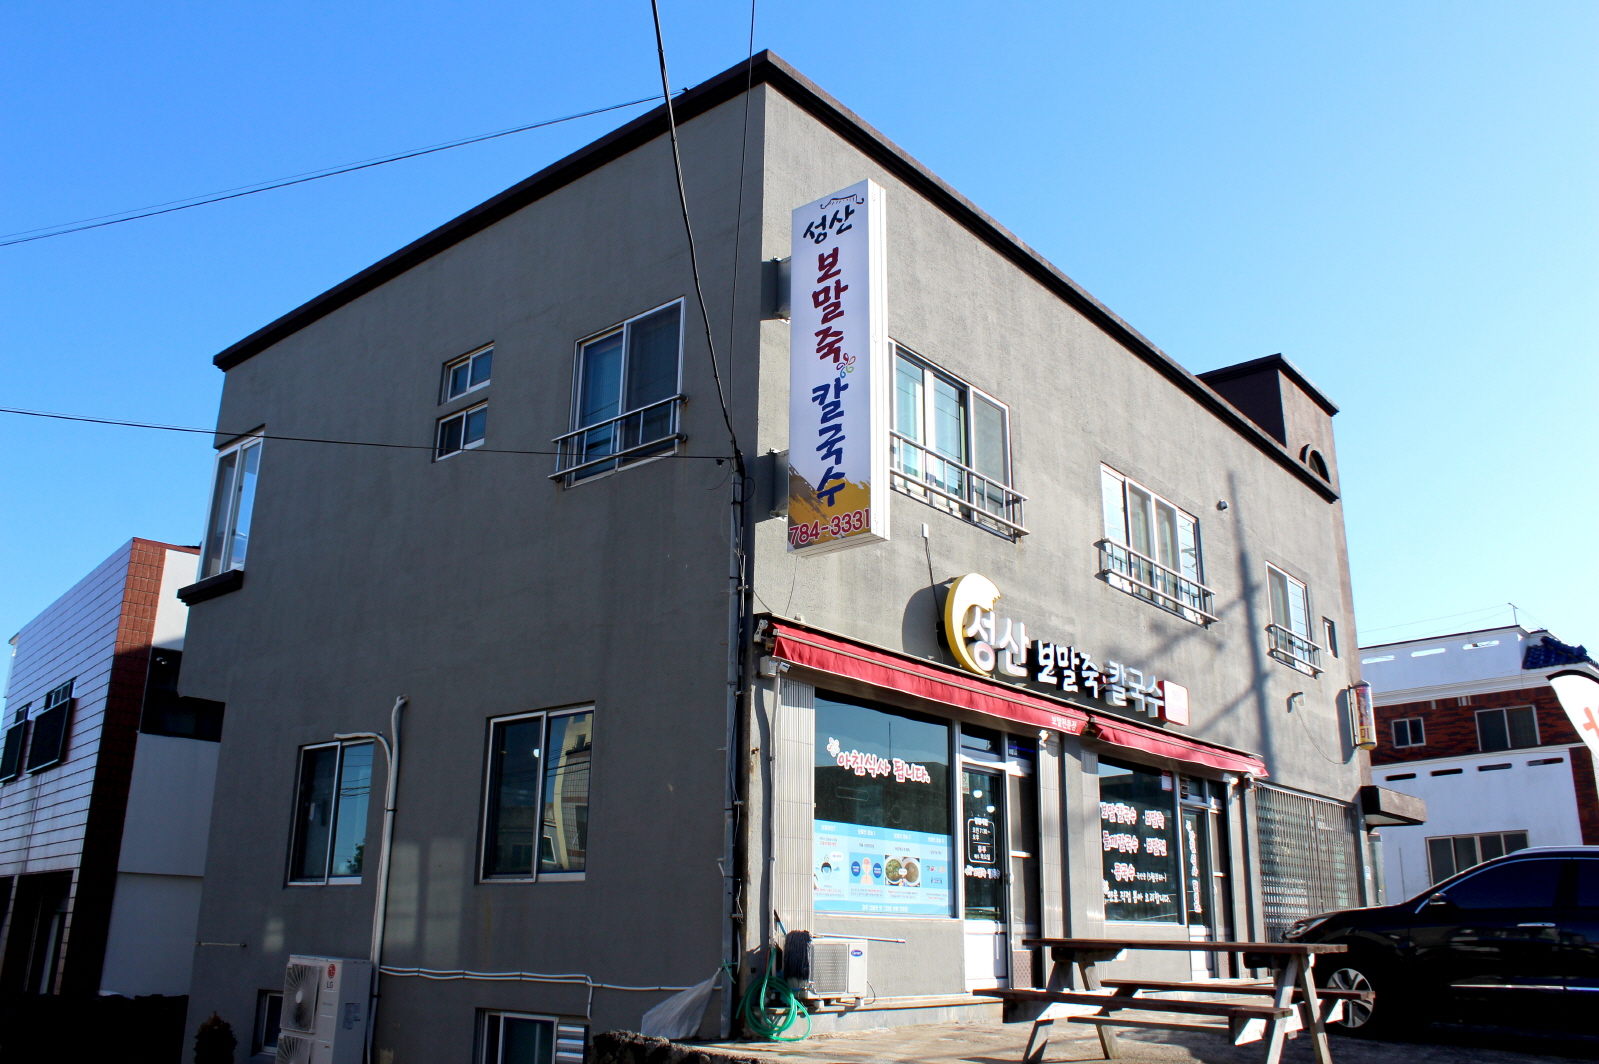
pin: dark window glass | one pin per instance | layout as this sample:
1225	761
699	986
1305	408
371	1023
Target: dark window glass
268	1019
519	1040
1441	855
313	820
564	843
1332	633
481	365
449	436
50	734
1138	838
1523	724
652	358
513	820
1588	884
11	758
983	823
981	744
1515	840
477	424
1492	846
1466	852
1491	732
1514	885
881	832
355	789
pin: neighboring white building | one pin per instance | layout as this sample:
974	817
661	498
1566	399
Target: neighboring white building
1469	724
106	777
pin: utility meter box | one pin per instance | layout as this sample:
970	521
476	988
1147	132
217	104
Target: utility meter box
325	1005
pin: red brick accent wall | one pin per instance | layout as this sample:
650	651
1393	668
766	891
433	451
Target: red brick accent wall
1587	794
108	801
1451	729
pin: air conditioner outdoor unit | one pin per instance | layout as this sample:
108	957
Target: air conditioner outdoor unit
324	1010
826	967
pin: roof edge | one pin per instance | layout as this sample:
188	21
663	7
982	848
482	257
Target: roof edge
767	68
1277	361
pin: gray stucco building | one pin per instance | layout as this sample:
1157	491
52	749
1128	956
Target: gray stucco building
629	752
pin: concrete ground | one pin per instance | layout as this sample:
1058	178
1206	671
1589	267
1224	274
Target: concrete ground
997	1043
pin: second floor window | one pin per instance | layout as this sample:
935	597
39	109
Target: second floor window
1289	630
1409	732
330	813
1506	729
462	431
227	534
468	373
950	447
626	395
537	819
1151	548
49	745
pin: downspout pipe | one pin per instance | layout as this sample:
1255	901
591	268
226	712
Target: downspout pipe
380	909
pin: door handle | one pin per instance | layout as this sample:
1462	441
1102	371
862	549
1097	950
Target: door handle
1536	925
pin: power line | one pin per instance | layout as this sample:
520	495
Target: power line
62	229
1429	620
301	439
688	227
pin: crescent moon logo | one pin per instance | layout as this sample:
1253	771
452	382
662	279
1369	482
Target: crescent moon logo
972	591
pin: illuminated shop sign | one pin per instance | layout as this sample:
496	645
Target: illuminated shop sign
992	645
838	373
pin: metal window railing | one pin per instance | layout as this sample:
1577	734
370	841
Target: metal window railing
1138	574
642	433
958	489
1291	648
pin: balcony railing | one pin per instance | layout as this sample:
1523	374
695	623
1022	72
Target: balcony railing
1290	648
958	489
630	437
1138	574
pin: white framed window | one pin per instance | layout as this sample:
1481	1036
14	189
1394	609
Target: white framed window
461	431
529	1038
1329	631
468	373
950	445
1448	854
1506	729
626	392
1289	630
1409	732
330	813
227	536
536	803
1151	548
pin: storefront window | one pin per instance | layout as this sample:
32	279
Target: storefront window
882	842
1138	833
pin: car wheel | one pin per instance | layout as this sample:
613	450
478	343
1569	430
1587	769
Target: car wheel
1381	1016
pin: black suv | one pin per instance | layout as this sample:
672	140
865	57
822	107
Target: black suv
1521	930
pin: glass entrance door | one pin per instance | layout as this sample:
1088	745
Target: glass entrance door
983	830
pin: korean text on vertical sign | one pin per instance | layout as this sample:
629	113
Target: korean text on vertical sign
838	373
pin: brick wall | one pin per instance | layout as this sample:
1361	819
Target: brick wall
1451	728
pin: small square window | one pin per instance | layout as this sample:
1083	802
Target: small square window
1409	732
468	373
462	432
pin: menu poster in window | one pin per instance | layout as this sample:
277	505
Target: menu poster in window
881	829
838	373
1138	837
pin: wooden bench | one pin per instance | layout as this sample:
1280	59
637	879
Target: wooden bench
1296	1002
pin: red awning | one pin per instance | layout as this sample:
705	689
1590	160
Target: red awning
880	668
896	673
1136	736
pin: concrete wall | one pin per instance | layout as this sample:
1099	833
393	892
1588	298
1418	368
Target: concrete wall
480	588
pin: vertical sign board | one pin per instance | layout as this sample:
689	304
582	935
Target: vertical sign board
838	373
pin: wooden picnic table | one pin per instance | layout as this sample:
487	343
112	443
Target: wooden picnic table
1296	1003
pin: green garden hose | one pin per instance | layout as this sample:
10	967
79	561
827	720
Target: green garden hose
770	1007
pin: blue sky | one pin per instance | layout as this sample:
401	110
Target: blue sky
1398	197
